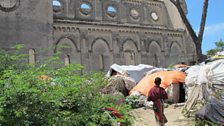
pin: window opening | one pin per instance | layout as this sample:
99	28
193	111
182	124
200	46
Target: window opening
57	5
67	60
31	56
86	8
101	59
111	11
156	60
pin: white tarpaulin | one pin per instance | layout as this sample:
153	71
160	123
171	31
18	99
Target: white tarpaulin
210	73
220	53
208	81
192	75
135	72
216	73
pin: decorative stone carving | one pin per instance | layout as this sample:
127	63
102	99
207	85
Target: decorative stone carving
99	33
9	5
134	14
154	16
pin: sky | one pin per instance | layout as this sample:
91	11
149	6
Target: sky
214	30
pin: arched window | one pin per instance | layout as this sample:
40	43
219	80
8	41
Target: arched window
31	56
7	4
130	51
100	56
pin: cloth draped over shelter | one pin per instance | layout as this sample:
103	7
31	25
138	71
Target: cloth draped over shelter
206	83
168	78
135	72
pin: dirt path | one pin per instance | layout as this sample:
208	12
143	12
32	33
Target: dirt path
146	117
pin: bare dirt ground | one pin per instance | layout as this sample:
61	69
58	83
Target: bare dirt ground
145	117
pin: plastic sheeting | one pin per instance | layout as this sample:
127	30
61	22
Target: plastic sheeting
213	110
155	70
192	75
168	78
220	53
211	73
195	100
216	73
180	65
135	72
209	84
119	84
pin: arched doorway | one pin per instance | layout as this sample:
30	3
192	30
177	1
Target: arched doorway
176	55
101	58
129	52
69	51
155	53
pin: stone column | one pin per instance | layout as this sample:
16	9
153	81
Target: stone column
116	49
166	50
84	54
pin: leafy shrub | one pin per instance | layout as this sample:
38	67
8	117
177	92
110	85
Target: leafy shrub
199	122
66	97
134	101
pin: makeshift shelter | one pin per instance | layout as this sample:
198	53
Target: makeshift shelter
207	83
119	84
169	78
180	65
220	53
135	72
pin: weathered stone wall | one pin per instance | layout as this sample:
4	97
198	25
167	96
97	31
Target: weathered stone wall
98	33
134	32
139	12
93	45
26	22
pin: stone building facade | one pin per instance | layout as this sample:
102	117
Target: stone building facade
98	33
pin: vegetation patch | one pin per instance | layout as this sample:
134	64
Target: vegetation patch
47	94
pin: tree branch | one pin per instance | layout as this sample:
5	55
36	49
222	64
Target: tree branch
185	20
203	21
174	2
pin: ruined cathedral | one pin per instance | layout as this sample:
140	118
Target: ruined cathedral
98	33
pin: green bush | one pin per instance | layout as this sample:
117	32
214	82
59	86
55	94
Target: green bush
134	101
65	98
199	122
